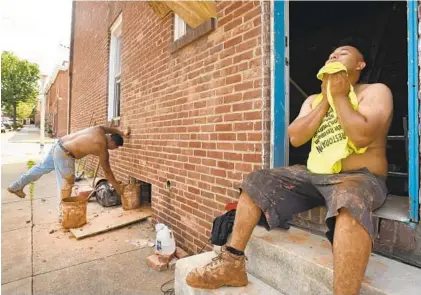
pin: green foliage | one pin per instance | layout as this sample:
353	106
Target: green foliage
31	164
25	109
48	127
19	85
19	125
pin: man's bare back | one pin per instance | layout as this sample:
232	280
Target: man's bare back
90	141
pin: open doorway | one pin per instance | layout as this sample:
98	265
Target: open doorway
316	27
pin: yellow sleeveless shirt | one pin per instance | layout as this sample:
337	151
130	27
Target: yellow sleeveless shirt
330	144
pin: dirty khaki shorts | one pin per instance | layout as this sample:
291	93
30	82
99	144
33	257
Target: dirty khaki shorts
284	192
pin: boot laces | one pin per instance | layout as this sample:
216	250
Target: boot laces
215	261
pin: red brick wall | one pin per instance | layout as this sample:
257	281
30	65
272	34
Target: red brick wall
199	116
56	109
50	109
38	114
63	80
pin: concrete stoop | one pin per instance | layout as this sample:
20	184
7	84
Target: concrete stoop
185	265
296	262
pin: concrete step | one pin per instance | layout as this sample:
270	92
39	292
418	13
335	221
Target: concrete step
185	265
297	262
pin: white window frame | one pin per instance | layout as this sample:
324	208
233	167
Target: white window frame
114	70
180	27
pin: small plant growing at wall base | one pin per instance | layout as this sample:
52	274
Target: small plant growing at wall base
31	164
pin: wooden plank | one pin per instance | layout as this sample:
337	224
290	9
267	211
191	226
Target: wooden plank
110	219
194	13
160	8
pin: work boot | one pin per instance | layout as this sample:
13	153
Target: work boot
18	193
226	269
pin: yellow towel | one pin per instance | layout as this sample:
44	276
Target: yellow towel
330	144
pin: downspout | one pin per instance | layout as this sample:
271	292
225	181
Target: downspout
262	69
69	88
272	81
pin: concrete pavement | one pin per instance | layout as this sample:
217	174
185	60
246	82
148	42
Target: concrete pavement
15	149
38	258
29	134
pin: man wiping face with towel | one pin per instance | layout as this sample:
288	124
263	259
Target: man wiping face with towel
347	124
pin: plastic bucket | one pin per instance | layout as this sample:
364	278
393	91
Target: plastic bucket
131	196
74	211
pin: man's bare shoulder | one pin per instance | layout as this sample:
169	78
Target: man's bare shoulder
376	90
376	93
379	87
309	100
97	136
377	102
95	131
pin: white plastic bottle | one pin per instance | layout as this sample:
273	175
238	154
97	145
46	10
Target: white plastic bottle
165	242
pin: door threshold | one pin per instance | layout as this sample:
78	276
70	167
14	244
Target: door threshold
394	208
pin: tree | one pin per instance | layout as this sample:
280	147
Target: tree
19	83
24	110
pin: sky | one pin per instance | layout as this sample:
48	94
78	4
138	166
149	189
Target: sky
35	30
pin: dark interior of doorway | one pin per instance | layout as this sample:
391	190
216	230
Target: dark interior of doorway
316	27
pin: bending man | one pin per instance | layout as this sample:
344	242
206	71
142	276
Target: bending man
61	158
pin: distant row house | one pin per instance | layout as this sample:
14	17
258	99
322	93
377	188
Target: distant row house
57	100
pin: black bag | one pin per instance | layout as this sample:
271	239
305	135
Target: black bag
106	195
222	227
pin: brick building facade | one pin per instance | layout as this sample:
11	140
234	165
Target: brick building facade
56	97
198	114
37	116
199	109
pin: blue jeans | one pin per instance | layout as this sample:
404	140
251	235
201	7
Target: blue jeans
57	160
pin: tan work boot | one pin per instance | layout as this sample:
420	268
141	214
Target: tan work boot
18	193
226	269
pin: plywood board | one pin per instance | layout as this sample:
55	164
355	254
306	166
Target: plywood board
160	8
110	219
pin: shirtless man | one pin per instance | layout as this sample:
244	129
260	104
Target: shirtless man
61	158
350	196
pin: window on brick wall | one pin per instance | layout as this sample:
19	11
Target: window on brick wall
114	69
184	34
180	27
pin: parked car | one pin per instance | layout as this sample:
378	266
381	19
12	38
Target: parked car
3	129
6	120
7	126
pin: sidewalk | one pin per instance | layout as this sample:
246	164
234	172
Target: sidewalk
38	258
21	146
29	134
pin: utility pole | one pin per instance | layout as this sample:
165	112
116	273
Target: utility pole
43	78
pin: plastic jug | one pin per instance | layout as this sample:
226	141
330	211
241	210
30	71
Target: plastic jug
165	243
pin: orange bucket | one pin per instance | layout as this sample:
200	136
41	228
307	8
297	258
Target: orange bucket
74	211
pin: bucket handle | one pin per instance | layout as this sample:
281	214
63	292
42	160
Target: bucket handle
89	196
